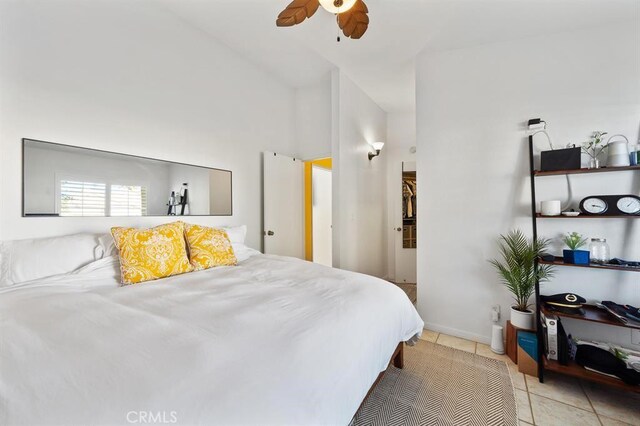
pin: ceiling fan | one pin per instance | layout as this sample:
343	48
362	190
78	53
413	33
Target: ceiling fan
351	14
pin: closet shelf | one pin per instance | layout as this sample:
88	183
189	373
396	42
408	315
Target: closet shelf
584	171
559	262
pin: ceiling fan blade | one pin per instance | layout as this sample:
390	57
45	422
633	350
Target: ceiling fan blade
296	12
355	21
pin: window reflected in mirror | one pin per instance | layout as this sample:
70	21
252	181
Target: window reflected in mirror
62	180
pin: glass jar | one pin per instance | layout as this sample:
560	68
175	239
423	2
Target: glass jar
599	251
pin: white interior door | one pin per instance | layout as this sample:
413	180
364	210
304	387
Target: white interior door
283	179
406	267
321	215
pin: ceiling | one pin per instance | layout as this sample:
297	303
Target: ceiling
381	63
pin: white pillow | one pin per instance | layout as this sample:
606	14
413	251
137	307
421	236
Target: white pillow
237	234
26	260
106	246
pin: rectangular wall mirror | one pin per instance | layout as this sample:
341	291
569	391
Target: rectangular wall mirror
62	180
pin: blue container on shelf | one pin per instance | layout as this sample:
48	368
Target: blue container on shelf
576	257
528	341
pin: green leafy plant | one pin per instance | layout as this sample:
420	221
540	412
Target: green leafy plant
573	240
594	146
518	270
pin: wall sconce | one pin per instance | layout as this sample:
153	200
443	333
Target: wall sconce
377	146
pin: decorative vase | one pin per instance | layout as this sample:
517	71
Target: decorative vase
576	257
594	163
521	319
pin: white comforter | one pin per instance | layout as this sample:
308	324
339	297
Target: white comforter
274	340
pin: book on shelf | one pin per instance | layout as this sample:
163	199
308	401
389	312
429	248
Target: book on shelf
556	341
550	326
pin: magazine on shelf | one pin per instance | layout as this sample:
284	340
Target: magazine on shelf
623	314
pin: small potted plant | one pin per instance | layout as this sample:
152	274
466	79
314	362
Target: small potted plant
593	148
574	241
518	272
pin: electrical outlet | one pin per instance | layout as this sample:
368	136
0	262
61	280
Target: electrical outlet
495	313
635	337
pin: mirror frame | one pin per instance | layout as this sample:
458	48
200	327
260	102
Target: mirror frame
24	214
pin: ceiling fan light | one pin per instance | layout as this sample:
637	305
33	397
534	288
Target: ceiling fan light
334	6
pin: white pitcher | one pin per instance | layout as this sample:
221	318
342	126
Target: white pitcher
618	152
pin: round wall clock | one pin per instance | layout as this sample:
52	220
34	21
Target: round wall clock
611	205
594	205
629	205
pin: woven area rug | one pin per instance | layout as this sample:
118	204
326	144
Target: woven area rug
441	386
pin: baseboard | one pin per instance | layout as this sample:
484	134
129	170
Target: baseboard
458	333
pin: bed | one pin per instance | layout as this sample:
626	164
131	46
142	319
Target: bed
274	340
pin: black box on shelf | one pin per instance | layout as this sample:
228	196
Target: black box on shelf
560	159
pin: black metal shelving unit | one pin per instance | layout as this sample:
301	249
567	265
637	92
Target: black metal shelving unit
593	315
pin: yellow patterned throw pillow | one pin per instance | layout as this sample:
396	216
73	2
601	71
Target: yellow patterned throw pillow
149	254
209	247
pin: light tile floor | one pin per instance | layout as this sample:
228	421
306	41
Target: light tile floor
560	400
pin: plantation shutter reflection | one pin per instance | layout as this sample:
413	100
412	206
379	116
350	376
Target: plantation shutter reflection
82	198
128	200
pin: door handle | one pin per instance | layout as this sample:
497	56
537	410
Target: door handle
399	229
270	233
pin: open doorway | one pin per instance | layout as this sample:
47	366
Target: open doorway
318	215
406	231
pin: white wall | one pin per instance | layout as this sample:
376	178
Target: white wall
359	185
401	136
473	166
129	77
313	119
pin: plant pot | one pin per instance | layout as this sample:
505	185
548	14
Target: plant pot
576	257
521	319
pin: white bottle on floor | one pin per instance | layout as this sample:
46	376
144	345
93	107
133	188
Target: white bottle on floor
497	344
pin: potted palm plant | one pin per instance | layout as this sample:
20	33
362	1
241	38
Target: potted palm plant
574	241
518	272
